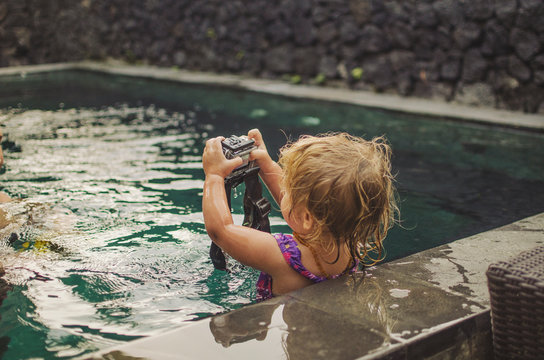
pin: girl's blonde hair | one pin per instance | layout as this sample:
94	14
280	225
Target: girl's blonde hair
346	184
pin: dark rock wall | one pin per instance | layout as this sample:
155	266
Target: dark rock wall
486	52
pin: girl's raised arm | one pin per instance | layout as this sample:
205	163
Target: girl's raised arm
271	173
249	246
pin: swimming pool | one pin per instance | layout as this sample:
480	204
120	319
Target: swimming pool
109	171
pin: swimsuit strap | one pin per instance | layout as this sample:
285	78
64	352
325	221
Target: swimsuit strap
291	254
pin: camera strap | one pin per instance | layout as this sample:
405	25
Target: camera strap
256	209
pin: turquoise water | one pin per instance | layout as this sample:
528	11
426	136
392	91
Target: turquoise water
111	243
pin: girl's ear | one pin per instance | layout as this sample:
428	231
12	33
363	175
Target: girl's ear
307	221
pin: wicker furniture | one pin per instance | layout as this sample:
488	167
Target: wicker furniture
516	289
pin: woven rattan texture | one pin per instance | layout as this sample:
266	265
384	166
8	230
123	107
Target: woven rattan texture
516	289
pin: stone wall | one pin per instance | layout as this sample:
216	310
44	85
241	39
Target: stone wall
485	52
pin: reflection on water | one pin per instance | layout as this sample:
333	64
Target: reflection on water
107	241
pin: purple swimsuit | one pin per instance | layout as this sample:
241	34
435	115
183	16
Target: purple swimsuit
291	254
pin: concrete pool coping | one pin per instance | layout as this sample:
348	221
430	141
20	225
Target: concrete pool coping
431	304
426	107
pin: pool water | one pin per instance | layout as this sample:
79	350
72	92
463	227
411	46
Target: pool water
111	243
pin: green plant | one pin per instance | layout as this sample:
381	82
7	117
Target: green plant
210	33
295	79
240	55
130	57
320	79
357	73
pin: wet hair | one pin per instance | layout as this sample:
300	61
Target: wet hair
346	184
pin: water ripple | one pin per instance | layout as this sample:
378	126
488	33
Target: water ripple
114	247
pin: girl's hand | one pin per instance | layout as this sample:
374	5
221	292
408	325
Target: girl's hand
260	154
214	161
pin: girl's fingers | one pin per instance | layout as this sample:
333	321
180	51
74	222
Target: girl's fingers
255	134
234	163
215	143
257	154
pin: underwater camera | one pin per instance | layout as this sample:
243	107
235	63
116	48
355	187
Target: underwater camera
256	207
239	146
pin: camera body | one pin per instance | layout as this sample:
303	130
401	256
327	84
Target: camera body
241	146
235	146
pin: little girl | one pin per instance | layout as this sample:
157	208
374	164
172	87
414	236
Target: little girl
335	193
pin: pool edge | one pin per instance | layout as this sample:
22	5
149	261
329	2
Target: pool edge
448	315
412	105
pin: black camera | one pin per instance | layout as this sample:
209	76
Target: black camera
241	146
235	146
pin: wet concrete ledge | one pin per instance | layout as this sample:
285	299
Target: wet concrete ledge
426	107
430	305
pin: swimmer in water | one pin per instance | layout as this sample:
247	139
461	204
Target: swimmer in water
25	224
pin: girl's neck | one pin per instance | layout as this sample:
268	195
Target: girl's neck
323	256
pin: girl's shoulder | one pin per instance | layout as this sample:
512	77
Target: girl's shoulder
294	252
287	244
289	249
